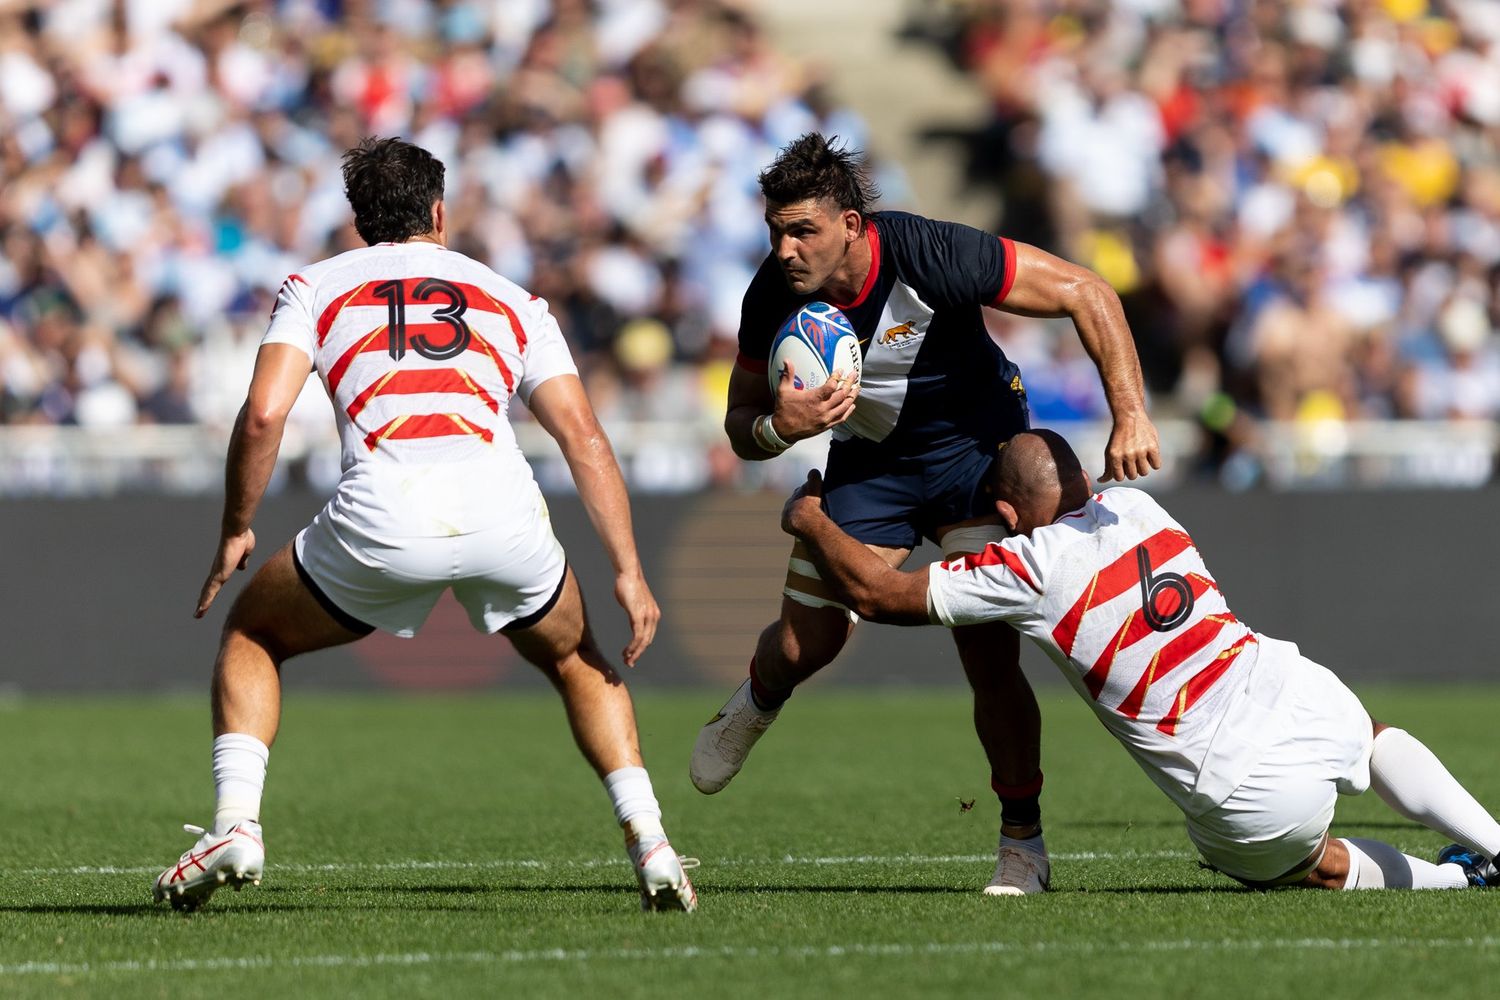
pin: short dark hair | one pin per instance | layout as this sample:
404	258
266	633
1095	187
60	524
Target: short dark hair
391	185
811	166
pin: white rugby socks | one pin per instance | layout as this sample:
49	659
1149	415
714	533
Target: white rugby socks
636	808
239	779
1375	865
1412	781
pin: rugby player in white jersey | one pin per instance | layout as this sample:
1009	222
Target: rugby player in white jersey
421	350
1250	739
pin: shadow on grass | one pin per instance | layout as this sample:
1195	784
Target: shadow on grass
101	909
263	905
1158	890
1176	824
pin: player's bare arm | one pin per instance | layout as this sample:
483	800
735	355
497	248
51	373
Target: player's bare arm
866	583
280	373
563	409
1048	286
794	414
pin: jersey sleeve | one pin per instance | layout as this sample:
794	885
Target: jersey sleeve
547	355
292	318
767	304
998	583
962	266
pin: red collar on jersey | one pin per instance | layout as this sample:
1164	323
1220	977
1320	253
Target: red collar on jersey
874	236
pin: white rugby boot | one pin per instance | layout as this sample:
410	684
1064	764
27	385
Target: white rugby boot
234	858
1021	869
725	741
661	872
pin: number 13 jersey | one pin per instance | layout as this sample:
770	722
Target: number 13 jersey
1118	596
421	349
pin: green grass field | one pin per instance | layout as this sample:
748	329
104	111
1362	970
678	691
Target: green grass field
460	847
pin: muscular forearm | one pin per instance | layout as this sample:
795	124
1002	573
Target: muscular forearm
1100	319
861	579
253	447
602	489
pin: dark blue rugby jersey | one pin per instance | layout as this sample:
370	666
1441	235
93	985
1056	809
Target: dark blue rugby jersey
931	372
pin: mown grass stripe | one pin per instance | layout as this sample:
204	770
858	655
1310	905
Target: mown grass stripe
415	864
833	951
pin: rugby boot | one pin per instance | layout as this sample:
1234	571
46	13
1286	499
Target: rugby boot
725	741
1479	870
661	872
1020	871
233	858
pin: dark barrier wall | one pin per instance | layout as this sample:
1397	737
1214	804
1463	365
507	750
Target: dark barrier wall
97	596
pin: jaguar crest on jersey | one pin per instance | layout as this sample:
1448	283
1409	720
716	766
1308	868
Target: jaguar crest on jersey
899	337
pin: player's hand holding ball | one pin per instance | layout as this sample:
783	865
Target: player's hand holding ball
804	505
814	370
804	413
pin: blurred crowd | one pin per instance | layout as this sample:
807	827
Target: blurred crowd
1298	202
164	164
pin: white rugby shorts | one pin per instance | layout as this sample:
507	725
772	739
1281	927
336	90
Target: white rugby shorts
507	575
1275	820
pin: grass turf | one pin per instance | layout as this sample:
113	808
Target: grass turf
461	847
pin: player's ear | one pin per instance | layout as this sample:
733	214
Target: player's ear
440	221
1008	515
854	224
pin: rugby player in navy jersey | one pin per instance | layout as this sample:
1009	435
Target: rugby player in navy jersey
913	440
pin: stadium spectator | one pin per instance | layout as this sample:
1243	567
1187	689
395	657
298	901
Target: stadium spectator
1287	196
164	166
604	153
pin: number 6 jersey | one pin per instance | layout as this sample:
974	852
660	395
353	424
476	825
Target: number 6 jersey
421	349
1118	596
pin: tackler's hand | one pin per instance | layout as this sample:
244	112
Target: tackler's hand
805	504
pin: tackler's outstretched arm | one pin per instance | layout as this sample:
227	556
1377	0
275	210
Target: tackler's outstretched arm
863	581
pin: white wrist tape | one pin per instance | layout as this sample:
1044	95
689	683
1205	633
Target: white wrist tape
765	435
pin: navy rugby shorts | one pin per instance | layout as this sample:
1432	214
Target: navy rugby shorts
897	500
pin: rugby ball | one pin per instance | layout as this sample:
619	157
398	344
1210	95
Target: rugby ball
817	340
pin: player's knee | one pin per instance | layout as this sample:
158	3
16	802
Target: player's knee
261	636
1331	870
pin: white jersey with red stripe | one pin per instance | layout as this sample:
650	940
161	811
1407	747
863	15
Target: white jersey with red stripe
1118	596
421	349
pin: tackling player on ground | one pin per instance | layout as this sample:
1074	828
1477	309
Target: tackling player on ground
1252	741
913	440
421	350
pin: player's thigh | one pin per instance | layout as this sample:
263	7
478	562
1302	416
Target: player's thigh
814	625
510	578
559	633
1281	812
278	609
1273	826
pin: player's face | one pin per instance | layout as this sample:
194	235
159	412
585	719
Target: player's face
809	240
